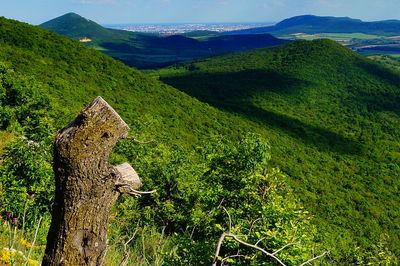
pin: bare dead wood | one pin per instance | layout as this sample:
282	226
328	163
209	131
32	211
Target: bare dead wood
237	239
272	255
127	254
87	186
314	258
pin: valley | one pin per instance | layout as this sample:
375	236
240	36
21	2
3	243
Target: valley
287	138
312	98
145	50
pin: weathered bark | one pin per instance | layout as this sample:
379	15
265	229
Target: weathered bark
87	186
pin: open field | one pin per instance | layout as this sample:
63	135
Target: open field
364	44
333	36
379	52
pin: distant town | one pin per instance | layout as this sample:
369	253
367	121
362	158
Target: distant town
179	28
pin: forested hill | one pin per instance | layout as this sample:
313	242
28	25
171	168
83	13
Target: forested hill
73	75
77	27
333	120
148	50
200	158
316	24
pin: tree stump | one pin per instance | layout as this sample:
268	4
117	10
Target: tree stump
87	186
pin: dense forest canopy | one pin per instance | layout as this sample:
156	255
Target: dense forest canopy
300	137
144	50
331	116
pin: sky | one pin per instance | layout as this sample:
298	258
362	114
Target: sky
197	11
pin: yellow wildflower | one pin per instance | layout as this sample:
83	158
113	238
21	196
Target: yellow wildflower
25	243
6	255
33	262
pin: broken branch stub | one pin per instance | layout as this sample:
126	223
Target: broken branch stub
129	179
87	186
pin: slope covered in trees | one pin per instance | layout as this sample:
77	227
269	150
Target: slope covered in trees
46	79
77	27
148	50
332	117
331	127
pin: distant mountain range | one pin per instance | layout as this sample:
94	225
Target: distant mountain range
316	24
146	50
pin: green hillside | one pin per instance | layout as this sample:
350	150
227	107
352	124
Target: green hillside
149	51
201	34
46	79
367	38
77	27
73	75
332	117
316	24
387	60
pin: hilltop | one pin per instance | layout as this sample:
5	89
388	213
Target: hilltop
46	79
317	24
332	117
78	27
73	74
148	51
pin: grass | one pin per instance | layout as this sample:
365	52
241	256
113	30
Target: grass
145	245
377	52
19	246
355	40
387	60
5	138
332	36
349	36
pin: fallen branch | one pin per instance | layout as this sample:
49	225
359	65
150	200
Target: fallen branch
317	257
254	246
127	254
230	218
224	235
285	246
143	192
136	193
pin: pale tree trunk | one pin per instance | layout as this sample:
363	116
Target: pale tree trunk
87	186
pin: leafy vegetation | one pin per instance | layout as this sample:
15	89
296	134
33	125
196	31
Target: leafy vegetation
148	50
387	60
77	27
330	117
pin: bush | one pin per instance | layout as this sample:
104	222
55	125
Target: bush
195	196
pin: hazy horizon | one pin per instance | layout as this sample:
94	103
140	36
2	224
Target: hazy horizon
107	12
